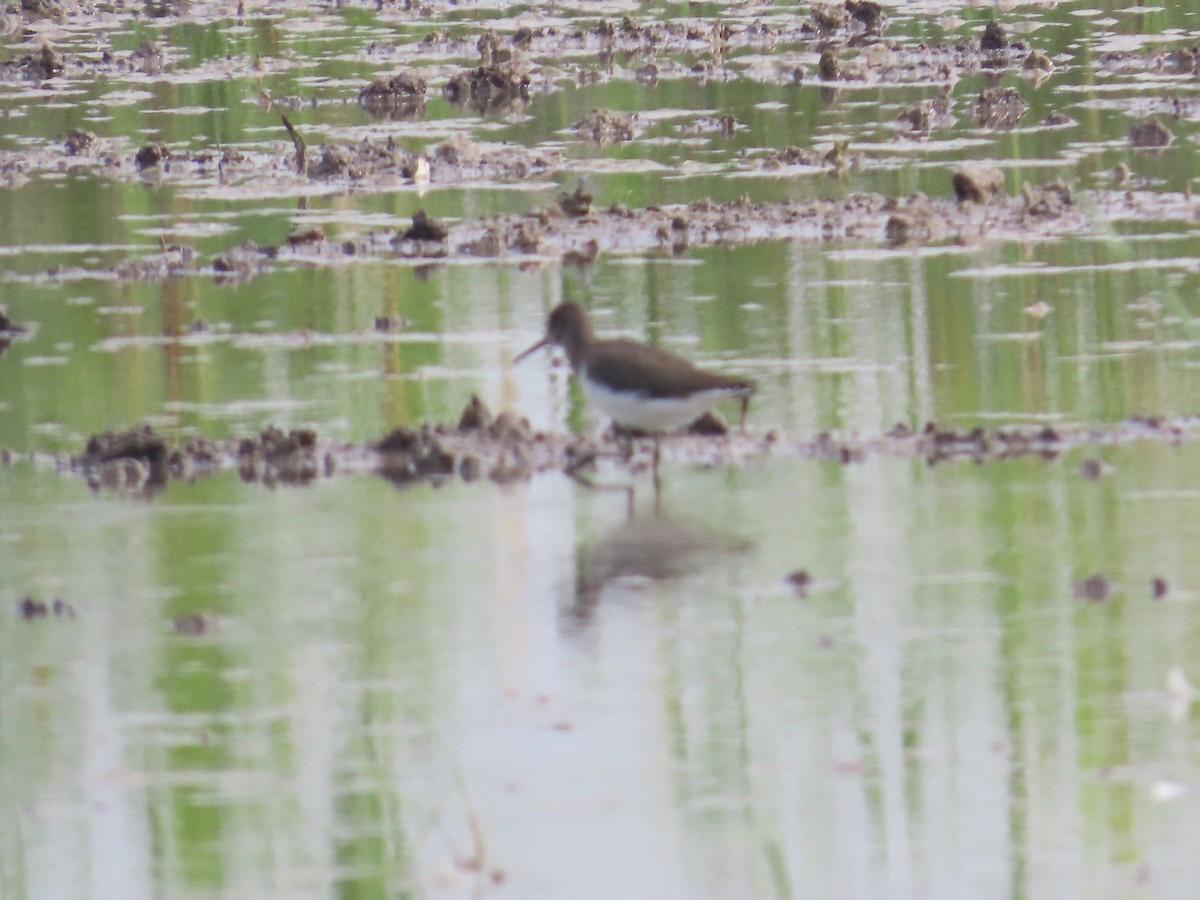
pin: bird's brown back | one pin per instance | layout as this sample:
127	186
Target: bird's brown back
637	368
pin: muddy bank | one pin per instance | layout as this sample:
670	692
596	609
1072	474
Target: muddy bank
504	449
575	232
497	70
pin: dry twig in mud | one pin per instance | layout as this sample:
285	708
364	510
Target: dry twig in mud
297	140
298	143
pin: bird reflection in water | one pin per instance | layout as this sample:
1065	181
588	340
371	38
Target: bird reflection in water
651	548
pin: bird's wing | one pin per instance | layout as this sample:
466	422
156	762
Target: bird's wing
641	365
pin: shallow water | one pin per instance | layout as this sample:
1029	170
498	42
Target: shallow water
514	690
402	680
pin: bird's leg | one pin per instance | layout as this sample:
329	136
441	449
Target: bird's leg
574	471
625	439
745	409
657	479
588	456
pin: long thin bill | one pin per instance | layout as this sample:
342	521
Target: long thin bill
538	346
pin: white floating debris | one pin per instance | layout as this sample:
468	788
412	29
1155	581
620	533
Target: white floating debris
1180	694
1164	791
420	174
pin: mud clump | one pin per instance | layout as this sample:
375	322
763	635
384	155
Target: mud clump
78	142
838	157
499	84
940	444
151	155
994	37
400	97
603	126
488	244
510	429
368	159
141	460
425	238
585	255
999	108
977	183
790	156
1095	588
29	609
455	161
458	150
1175	61
652	37
335	162
927	115
867	13
239	263
277	456
41	65
196	624
1051	199
1151	135
828	66
162	9
459	159
490	90
198	456
425	228
388	324
827	19
503	448
1180	60
475	416
577	204
407	454
149	59
140	443
306	235
170	262
1037	61
899	230
799	581
43	9
124	460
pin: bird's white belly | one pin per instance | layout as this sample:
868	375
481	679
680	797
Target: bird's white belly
651	413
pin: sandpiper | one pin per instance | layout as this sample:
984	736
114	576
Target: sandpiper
639	386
